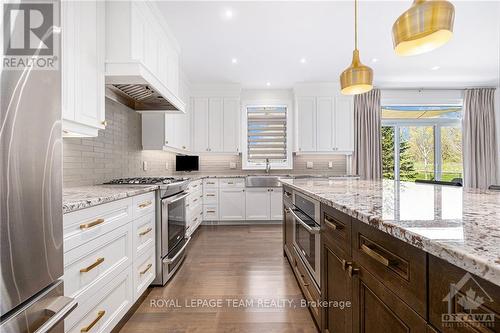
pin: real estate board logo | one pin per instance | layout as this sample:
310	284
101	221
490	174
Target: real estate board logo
468	305
31	35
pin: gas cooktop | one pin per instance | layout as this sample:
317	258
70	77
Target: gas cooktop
145	181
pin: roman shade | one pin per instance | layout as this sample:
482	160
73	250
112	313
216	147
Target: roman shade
266	133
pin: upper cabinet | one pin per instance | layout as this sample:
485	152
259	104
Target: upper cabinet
83	52
141	50
325	120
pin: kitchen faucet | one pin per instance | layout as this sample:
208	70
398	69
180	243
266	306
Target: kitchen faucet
268	166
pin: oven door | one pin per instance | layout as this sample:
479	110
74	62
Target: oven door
173	222
307	242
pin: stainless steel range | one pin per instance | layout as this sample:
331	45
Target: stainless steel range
171	241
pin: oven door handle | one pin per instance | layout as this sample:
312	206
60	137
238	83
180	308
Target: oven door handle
169	261
176	198
305	225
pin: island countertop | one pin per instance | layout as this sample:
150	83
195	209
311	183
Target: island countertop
461	226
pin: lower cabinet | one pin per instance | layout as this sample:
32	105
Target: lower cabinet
264	203
232	204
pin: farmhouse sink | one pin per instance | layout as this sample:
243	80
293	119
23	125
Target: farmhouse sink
262	181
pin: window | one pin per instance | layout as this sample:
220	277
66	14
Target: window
422	142
266	138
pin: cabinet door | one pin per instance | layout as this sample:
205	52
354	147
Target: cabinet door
336	286
231	133
276	202
374	303
200	124
232	204
171	124
257	203
306	123
215	123
344	124
324	124
83	63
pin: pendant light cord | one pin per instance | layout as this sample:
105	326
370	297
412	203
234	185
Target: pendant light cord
356	24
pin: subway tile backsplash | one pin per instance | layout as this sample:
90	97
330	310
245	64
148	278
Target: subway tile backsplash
117	152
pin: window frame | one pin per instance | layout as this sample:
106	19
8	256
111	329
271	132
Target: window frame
436	123
247	165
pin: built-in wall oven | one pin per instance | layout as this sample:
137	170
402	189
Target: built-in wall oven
306	215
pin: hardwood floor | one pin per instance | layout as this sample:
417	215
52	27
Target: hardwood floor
228	266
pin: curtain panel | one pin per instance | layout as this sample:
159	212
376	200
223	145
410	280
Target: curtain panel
367	159
479	138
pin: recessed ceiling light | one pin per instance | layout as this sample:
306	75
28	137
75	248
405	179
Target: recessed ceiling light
234	61
303	60
374	60
435	68
268	84
228	13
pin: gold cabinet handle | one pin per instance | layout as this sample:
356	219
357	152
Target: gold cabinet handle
331	224
91	267
147	231
374	255
352	271
145	204
91	224
146	269
230	183
194	200
210	195
186	205
210	211
100	314
104	123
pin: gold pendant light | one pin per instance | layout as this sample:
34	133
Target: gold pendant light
425	26
357	78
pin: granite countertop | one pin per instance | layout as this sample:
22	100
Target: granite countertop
461	226
76	198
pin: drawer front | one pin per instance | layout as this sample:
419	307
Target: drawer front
400	266
442	276
210	196
83	226
210	183
144	233
307	285
144	204
194	186
336	226
194	199
97	262
144	272
104	310
210	213
194	220
231	182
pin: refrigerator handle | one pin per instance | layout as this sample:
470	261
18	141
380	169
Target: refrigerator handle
58	310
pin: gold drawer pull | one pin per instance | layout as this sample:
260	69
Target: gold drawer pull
210	183
332	225
100	314
194	200
210	211
147	231
91	224
230	183
91	267
145	204
210	195
146	269
195	219
376	256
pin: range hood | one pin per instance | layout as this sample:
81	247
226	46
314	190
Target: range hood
133	85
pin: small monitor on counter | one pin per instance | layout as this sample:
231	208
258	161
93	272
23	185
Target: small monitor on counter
186	163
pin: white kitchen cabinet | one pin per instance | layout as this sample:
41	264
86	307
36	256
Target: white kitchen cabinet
258	204
215	123
231	125
232	204
276	200
344	124
200	124
82	63
324	124
306	108
162	131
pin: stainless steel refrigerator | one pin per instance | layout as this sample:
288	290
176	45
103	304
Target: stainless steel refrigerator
31	294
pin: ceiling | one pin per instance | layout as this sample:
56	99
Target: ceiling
269	39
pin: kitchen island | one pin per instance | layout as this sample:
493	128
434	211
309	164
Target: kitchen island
401	253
